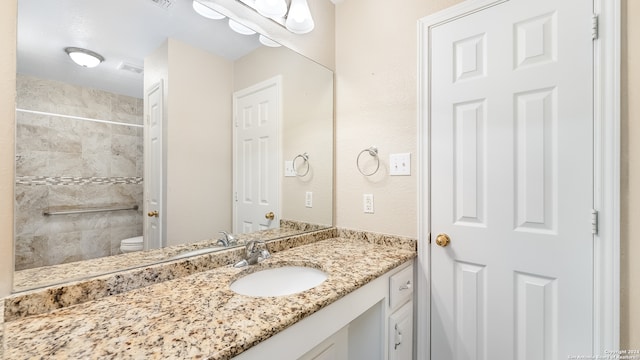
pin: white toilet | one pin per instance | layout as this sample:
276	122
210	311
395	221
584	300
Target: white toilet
131	244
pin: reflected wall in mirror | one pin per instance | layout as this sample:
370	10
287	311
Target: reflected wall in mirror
83	143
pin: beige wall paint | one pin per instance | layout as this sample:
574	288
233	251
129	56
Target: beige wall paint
197	140
7	136
307	126
630	178
198	144
376	82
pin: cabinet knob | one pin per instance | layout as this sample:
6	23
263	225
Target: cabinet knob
406	286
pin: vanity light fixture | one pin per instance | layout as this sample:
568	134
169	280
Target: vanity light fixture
268	42
206	11
84	57
299	20
239	28
271	8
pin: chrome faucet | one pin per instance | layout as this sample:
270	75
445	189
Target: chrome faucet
226	239
254	253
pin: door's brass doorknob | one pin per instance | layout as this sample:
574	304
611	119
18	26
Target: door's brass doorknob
270	215
443	240
153	213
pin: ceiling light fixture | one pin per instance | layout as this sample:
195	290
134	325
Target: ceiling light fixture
268	42
84	57
271	8
207	11
299	20
239	28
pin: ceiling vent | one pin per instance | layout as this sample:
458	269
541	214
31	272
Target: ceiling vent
130	68
165	4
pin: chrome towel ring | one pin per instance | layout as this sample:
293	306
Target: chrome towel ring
305	159
373	151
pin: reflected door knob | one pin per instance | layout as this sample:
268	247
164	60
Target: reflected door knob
443	240
270	215
153	213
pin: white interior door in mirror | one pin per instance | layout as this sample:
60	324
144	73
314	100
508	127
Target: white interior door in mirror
257	112
511	182
153	153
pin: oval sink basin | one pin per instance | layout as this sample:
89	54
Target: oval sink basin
285	280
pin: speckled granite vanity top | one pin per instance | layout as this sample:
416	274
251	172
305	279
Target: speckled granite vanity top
198	316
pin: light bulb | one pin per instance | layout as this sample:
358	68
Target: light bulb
271	8
299	20
84	57
206	11
239	28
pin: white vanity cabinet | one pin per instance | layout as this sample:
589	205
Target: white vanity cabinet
400	325
336	347
364	325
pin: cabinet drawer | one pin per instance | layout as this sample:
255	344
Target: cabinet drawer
401	287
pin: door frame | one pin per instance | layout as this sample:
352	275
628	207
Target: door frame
277	81
606	171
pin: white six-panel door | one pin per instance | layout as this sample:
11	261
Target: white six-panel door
511	182
153	176
256	185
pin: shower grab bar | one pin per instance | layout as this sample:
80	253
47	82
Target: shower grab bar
87	210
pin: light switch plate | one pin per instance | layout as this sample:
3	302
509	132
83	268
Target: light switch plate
400	164
288	169
308	199
367	202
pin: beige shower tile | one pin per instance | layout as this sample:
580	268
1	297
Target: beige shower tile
95	244
96	143
30	203
32	137
32	163
64	164
64	248
63	195
96	165
125	104
31	252
65	141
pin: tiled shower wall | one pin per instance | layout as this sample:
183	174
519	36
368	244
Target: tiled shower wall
66	162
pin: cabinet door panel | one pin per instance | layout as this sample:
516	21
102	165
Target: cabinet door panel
401	333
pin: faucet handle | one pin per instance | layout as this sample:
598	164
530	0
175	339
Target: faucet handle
227	238
250	246
254	255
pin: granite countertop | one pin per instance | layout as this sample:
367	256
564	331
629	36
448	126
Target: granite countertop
198	316
62	273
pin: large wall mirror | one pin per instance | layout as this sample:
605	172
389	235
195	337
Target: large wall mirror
184	130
